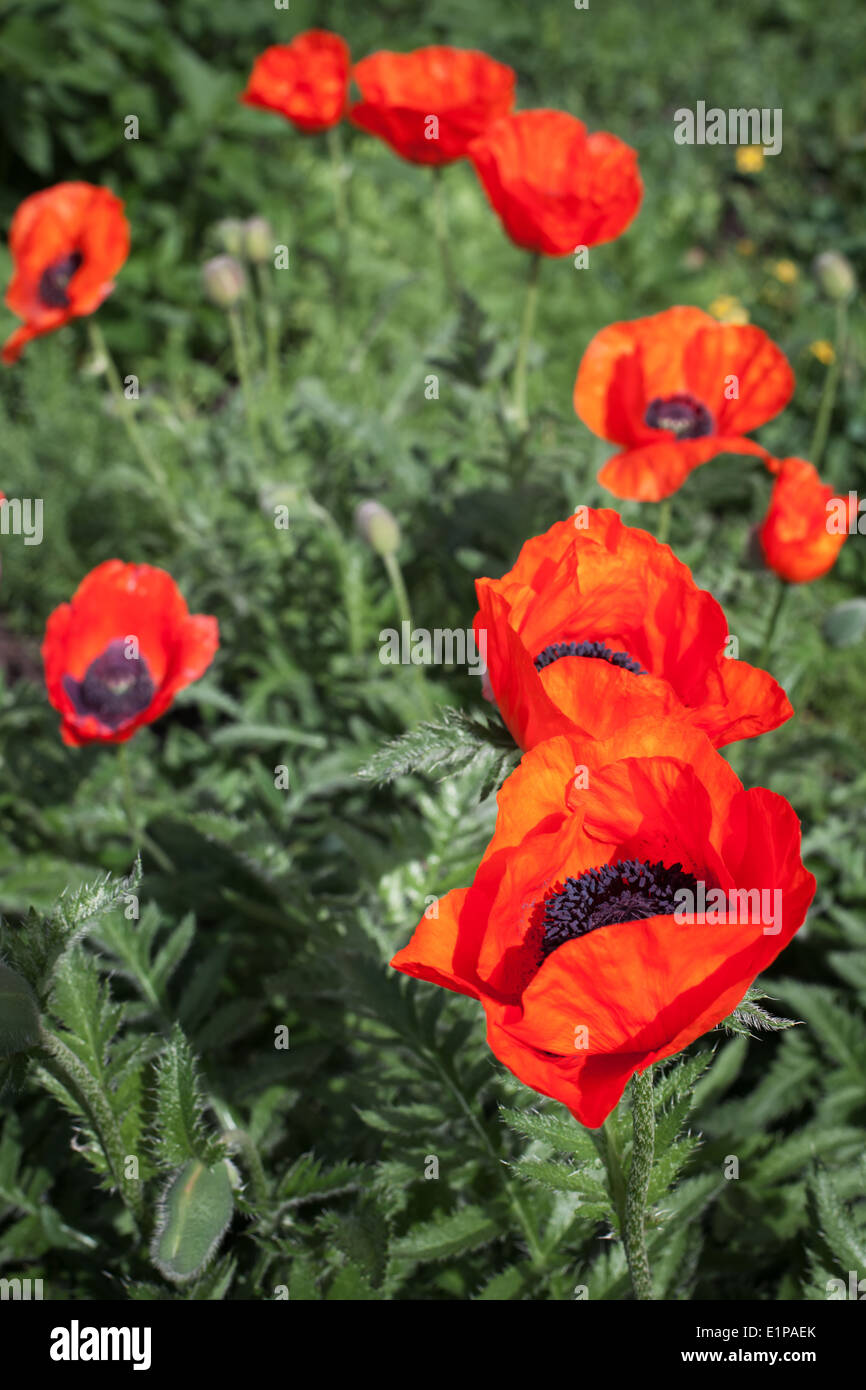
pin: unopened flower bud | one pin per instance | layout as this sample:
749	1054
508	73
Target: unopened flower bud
258	240
230	235
835	275
378	527
224	280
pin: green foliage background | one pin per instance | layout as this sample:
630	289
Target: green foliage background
262	909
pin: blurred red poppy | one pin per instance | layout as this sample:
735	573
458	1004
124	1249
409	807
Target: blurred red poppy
554	187
598	623
806	523
118	653
306	80
66	242
614	921
428	105
674	390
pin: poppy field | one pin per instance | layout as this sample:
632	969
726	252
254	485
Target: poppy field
433	653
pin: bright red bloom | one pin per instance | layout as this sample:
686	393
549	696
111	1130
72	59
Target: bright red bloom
428	105
118	653
802	533
674	390
587	977
306	80
598	623
67	242
553	186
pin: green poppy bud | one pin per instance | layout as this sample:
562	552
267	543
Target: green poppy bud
377	527
230	235
835	275
224	280
258	240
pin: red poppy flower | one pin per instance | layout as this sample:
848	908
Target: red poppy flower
428	105
306	80
118	653
614	920
674	390
598	623
806	524
553	186
67	242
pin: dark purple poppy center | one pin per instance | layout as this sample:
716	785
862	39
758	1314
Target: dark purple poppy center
115	687
54	281
595	650
682	414
627	891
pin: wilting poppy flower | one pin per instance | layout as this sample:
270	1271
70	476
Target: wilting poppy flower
618	915
428	105
306	80
118	653
67	242
598	623
806	524
554	187
674	390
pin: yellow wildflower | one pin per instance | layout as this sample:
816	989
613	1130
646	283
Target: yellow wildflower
824	351
786	271
750	159
728	309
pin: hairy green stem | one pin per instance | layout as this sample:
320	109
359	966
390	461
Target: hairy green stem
529	310
781	595
828	395
401	597
270	315
643	1148
440	226
341	207
239	1140
138	836
243	370
125	411
665	510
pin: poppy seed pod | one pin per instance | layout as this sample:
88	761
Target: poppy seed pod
230	235
377	527
224	281
258	240
835	275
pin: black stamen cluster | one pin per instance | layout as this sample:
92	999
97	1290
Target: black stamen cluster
54	280
597	650
684	415
627	891
115	686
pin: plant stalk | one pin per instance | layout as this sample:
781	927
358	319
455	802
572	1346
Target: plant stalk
778	605
828	395
440	225
643	1149
529	311
100	350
